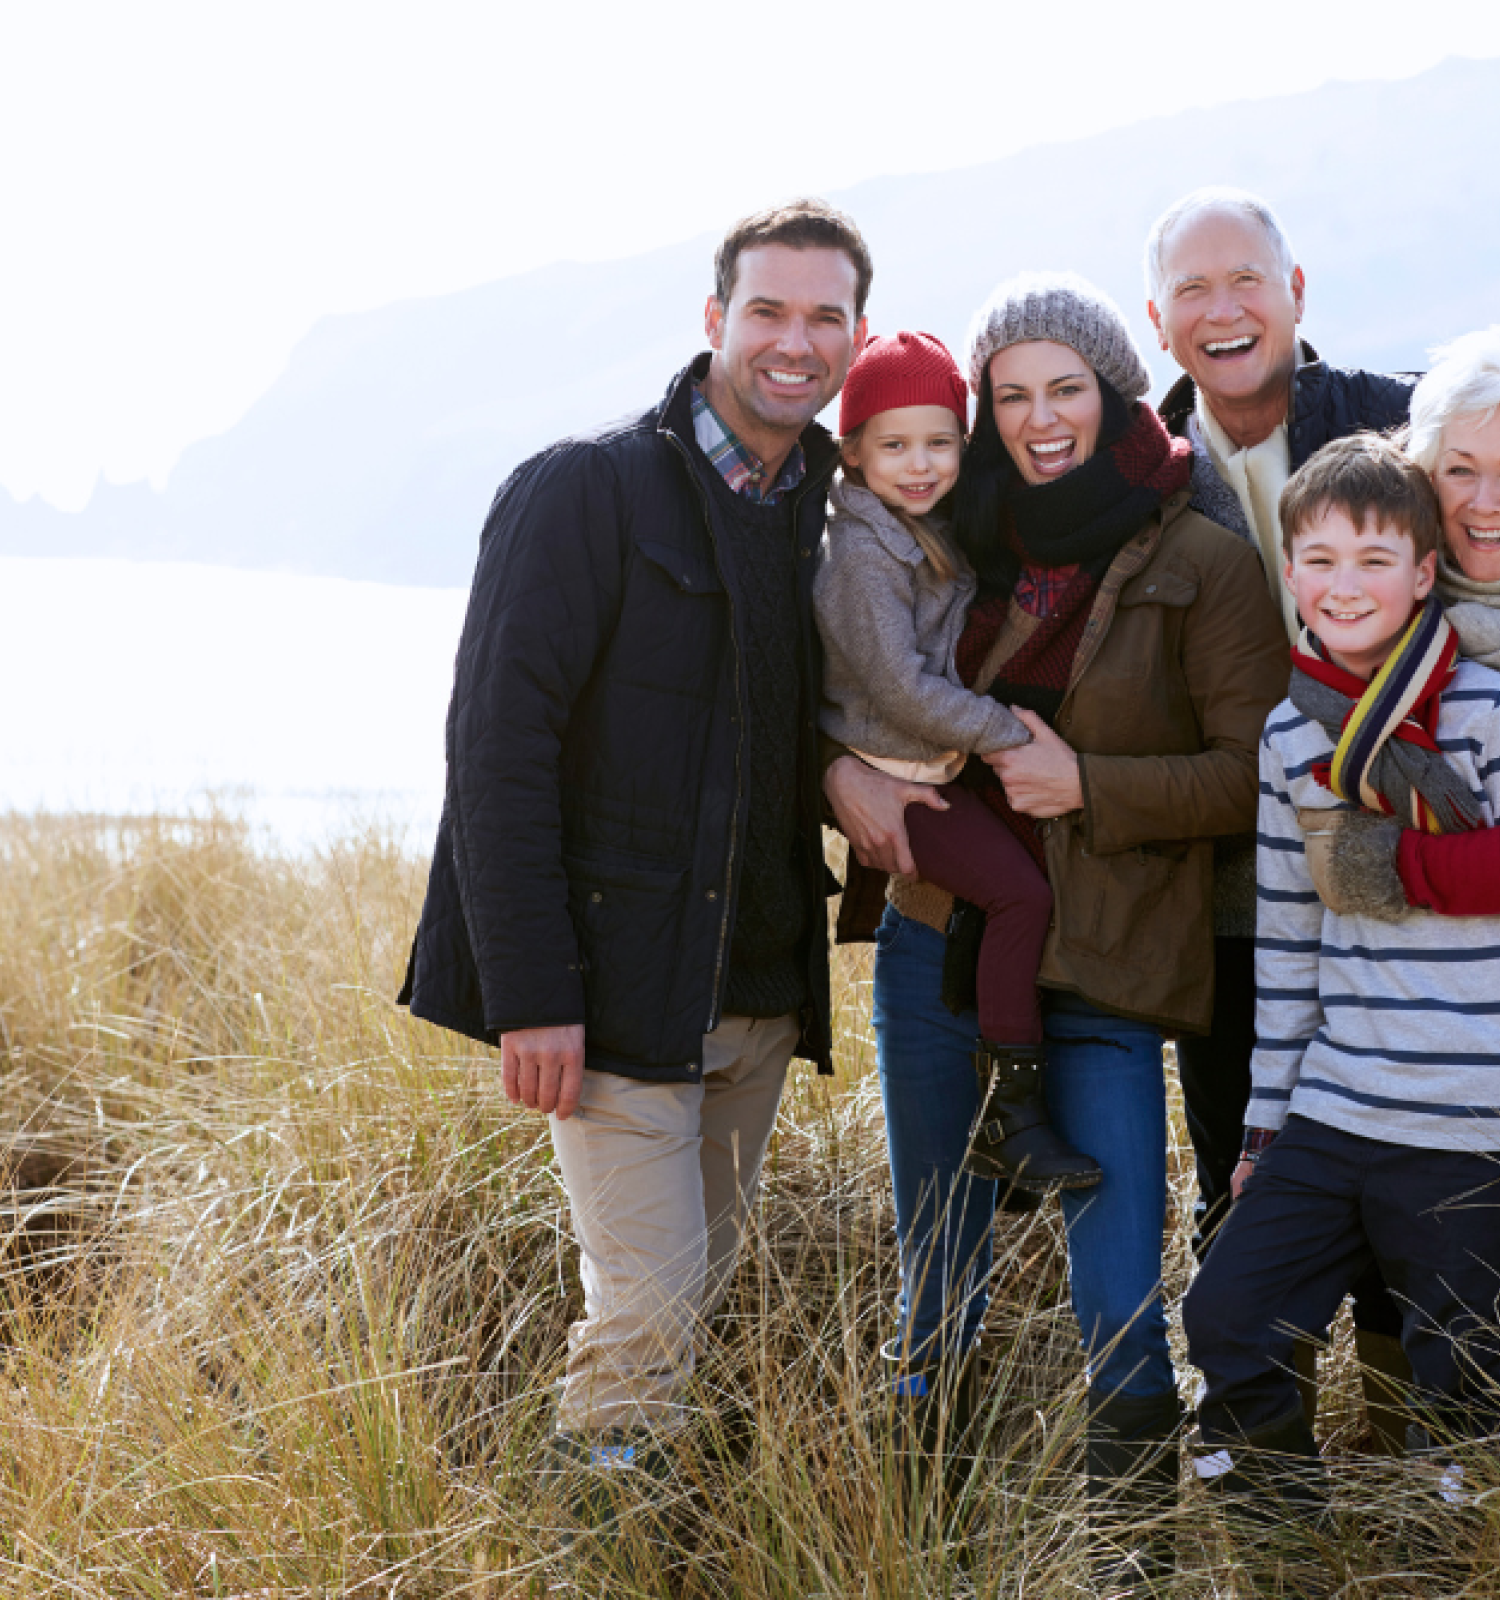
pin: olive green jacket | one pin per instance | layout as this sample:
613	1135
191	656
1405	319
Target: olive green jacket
1181	661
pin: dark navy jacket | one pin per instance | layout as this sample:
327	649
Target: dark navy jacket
1327	403
597	794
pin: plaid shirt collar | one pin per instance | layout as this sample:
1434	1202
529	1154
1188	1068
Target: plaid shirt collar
740	467
1038	589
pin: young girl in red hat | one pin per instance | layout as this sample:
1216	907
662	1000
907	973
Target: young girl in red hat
892	596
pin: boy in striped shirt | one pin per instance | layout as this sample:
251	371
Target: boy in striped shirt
1374	1118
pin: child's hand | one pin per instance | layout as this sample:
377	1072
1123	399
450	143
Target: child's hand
1241	1177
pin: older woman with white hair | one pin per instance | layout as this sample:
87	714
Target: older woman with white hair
1455	436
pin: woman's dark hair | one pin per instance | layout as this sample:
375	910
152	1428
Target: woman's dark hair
981	519
986	478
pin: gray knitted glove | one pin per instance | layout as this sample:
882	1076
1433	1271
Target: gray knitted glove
1360	868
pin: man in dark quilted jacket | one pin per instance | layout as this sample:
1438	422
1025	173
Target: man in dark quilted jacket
628	890
1226	296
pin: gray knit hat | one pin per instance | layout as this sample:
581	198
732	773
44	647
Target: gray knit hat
1067	309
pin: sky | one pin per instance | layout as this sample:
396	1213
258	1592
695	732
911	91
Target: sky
188	185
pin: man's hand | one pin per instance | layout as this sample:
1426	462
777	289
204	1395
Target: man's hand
871	811
1242	1175
1041	778
543	1068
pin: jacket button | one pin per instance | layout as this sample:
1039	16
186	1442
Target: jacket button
687	580
596	897
713	894
806	550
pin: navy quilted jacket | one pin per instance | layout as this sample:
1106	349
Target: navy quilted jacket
1327	403
586	863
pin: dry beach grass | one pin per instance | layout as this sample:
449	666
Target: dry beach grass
284	1283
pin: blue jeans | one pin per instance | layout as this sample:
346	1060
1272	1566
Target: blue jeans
1107	1096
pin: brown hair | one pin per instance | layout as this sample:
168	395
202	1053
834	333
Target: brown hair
799	225
930	531
1362	475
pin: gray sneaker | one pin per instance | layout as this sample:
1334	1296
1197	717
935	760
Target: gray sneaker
623	1510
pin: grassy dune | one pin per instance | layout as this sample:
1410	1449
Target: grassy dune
284	1283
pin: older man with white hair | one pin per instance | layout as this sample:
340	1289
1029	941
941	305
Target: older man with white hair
1255	400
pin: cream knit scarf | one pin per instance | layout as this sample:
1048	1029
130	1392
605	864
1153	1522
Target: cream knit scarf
1257	475
1473	609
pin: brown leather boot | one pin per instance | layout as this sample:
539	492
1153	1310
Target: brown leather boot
1131	1457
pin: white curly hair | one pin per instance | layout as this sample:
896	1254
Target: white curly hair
1463	381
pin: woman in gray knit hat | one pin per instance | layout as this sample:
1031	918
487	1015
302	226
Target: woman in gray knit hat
1138	643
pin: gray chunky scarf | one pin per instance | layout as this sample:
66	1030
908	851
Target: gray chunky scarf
1211	495
1473	609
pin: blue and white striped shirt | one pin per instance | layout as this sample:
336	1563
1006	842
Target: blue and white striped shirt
1386	1029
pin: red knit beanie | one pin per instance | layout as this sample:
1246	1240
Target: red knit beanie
902	369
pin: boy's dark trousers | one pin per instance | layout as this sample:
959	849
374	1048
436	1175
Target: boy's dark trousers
1214	1070
1322	1206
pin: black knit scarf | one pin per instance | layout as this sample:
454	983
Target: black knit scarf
1091	511
1082	519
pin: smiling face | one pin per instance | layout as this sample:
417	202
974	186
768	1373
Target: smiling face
1356	586
1467	480
1048	407
783	343
1227	311
909	456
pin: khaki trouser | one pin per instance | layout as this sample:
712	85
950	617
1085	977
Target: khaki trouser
660	1178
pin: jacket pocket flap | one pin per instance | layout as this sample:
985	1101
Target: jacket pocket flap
1160	589
592	869
691	570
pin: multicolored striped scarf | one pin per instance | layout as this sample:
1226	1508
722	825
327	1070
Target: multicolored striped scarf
1386	756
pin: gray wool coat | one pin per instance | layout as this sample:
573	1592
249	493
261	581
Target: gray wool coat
890	627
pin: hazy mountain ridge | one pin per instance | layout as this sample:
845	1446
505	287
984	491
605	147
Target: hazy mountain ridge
377	452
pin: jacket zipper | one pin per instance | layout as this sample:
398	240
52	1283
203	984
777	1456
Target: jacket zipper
739	745
739	742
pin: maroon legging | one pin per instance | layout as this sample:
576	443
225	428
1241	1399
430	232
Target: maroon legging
968	851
